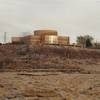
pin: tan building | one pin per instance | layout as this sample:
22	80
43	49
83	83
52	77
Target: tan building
51	39
63	40
17	39
43	37
45	32
31	39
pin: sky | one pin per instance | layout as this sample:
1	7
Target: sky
69	17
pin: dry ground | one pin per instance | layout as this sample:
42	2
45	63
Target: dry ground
49	86
49	73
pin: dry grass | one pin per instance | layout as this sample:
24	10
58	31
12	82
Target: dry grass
23	57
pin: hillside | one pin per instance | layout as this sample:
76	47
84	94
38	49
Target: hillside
54	58
49	73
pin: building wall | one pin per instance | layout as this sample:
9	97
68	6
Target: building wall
16	39
31	39
63	40
35	40
51	39
45	32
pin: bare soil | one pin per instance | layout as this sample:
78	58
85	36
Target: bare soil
49	73
49	86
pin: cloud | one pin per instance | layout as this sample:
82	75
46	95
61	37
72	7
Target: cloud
69	17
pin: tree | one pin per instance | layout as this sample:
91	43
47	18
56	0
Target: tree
85	41
88	43
81	40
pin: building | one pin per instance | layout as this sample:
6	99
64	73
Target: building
63	40
43	37
17	39
31	39
51	39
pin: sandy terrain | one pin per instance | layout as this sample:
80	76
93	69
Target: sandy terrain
49	86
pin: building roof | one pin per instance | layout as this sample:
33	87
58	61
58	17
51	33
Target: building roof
45	32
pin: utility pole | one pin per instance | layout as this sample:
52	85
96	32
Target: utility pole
5	37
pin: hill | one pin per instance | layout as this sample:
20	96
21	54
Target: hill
49	73
55	58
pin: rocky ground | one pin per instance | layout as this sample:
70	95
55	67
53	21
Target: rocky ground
49	73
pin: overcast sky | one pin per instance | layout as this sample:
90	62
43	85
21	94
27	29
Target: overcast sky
69	17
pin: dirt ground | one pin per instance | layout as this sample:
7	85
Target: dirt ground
49	73
49	86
